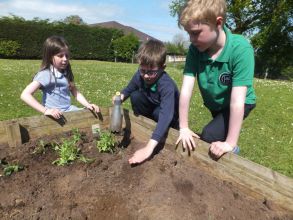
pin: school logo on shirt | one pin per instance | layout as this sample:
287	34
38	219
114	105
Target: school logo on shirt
225	78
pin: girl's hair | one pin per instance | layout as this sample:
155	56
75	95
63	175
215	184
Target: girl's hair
52	46
152	53
205	11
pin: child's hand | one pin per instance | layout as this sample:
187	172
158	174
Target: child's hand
94	108
186	136
55	113
143	154
140	155
218	148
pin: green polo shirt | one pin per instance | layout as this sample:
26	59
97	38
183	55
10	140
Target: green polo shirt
233	67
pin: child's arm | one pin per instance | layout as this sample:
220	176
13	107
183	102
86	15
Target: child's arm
237	103
186	135
132	86
166	114
82	100
28	98
167	92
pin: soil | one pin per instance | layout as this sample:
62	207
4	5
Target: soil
164	187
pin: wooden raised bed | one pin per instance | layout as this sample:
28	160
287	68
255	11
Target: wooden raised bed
254	179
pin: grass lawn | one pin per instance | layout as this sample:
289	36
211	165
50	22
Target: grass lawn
266	136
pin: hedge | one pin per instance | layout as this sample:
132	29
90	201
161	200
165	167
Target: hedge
85	42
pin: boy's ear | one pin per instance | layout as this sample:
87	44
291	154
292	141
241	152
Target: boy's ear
164	66
220	21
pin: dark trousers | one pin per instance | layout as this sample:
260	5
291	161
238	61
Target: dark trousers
142	106
217	129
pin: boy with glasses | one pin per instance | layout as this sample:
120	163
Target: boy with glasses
153	94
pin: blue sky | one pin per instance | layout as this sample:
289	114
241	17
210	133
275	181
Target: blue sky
149	16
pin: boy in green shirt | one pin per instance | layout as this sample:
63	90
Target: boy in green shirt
223	64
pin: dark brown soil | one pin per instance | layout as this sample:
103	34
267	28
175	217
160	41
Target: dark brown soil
165	187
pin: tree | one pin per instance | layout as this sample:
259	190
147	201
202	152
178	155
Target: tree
178	46
125	47
73	19
171	48
181	42
9	48
242	15
269	26
274	41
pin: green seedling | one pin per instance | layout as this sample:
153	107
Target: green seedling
68	150
106	142
76	135
41	147
11	168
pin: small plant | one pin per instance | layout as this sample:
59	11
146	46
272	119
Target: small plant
106	142
40	148
68	151
11	168
76	135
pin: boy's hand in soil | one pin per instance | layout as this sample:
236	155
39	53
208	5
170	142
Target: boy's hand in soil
144	153
186	136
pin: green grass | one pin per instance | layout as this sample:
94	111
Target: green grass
266	137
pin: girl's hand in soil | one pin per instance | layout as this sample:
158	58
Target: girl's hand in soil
55	113
142	154
186	136
218	148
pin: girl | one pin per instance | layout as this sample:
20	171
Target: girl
56	81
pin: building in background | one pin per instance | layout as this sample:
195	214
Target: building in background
126	30
175	58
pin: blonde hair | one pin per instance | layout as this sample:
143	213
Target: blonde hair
152	53
205	11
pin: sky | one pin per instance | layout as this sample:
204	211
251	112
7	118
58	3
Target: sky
149	16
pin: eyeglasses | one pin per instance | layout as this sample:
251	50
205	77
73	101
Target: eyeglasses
150	73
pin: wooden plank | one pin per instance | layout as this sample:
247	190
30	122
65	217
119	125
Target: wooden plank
273	177
38	126
37	132
3	133
69	117
52	130
140	132
145	122
13	134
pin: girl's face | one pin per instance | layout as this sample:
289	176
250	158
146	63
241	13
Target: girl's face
203	36
61	60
